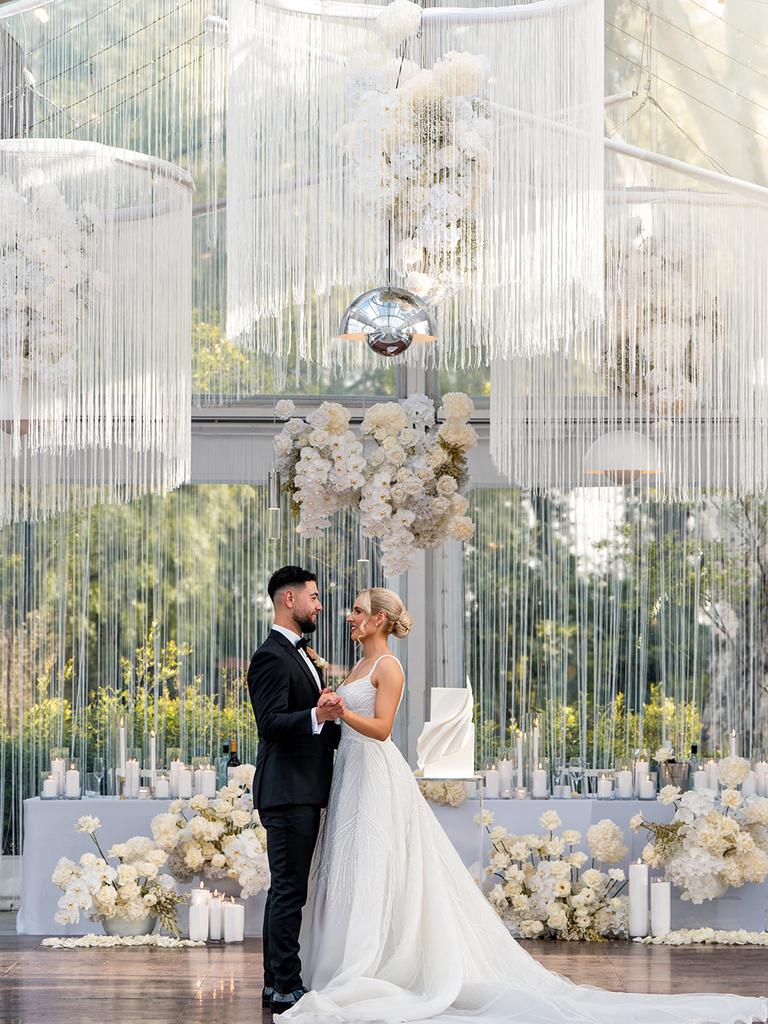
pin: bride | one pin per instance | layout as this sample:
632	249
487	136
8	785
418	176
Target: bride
395	929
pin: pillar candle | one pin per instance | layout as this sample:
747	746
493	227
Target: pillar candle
234	921
121	748
661	908
492	784
506	778
713	775
198	922
519	760
72	783
132	781
761	772
700	780
152	753
162	789
184	781
638	900
58	769
208	782
732	744
624	782
535	755
198	781
641	772
174	785
647	789
749	785
215	910
50	787
604	788
539	783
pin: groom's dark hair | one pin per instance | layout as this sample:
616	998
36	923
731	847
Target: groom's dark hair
288	576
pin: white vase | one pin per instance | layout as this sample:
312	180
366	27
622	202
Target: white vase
124	928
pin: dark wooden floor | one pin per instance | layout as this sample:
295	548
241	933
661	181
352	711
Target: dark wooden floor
221	985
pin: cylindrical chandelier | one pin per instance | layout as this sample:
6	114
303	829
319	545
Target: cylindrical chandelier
453	152
681	358
95	325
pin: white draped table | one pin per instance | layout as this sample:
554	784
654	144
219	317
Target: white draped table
49	834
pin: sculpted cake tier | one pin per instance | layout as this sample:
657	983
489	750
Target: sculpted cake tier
446	747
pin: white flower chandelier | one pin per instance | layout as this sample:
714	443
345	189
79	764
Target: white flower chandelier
681	359
454	152
95	325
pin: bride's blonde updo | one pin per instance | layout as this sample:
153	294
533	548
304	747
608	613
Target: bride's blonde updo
379	599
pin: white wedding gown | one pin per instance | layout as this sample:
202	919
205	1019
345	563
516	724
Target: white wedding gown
395	928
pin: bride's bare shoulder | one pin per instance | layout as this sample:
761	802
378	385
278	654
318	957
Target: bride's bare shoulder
389	672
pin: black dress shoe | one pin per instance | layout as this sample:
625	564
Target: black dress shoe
282	1001
266	996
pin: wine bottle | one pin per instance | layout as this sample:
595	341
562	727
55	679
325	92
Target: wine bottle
234	760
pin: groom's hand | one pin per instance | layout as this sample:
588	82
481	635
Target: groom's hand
330	707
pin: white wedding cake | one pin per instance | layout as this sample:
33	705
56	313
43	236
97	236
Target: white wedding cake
446	747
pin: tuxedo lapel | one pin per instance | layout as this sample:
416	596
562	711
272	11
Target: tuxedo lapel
286	644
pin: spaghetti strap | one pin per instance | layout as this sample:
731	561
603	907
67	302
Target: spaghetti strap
381	658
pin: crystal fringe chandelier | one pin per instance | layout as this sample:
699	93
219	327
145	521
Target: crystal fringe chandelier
681	359
95	326
454	152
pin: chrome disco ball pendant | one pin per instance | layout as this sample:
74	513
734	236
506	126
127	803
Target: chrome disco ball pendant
389	320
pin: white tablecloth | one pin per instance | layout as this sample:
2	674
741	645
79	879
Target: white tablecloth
49	834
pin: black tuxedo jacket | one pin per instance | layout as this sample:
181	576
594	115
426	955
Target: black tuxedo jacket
293	766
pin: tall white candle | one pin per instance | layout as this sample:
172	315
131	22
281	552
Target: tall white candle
72	783
215	911
661	909
234	921
761	771
641	772
198	922
152	753
50	787
713	774
638	900
199	896
624	782
184	780
749	785
208	782
58	768
132	779
198	772
732	743
506	778
175	766
700	780
121	748
539	783
535	755
604	788
519	759
663	714
492	784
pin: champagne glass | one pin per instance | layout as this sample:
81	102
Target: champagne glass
98	772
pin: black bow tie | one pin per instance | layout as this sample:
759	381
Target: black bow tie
302	644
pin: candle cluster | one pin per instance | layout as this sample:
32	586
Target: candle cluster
62	780
644	914
213	918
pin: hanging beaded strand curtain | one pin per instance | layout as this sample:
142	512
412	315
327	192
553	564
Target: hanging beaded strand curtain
95	341
151	610
460	157
623	623
150	76
681	360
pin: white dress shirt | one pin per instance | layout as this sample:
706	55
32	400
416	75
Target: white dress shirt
294	638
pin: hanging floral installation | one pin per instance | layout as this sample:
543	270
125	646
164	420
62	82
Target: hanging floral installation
454	152
410	487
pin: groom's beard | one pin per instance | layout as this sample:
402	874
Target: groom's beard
305	625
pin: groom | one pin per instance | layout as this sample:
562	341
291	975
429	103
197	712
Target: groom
293	770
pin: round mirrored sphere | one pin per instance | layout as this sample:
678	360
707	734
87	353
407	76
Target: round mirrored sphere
389	320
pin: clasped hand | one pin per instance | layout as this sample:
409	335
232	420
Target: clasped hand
330	706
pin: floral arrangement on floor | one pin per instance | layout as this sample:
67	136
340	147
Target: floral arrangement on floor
221	838
418	139
445	794
132	890
410	489
696	936
45	280
713	842
543	889
91	941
